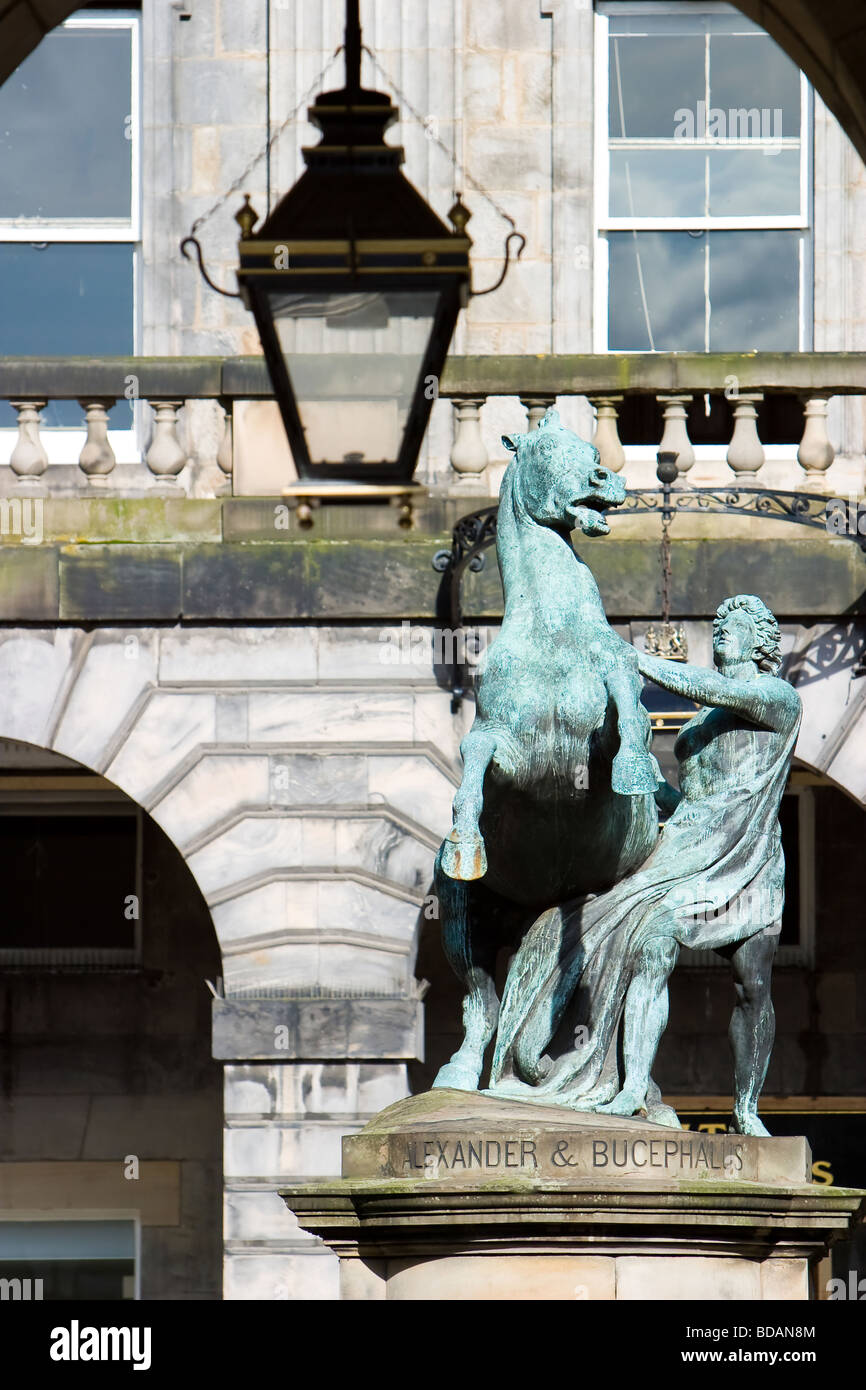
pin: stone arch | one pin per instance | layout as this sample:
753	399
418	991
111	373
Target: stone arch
110	1074
823	663
309	818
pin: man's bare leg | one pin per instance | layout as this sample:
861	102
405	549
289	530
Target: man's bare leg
753	1025
646	1014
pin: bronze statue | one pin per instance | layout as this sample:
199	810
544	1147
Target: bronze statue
588	969
557	796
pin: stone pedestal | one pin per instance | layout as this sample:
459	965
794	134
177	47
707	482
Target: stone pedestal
455	1195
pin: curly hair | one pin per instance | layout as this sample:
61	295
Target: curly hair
768	654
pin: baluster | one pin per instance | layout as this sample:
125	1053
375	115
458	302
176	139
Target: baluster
225	452
165	457
815	453
97	459
536	407
468	454
745	451
606	438
29	459
675	436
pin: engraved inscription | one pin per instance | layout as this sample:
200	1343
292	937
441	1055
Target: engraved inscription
665	1153
574	1154
450	1154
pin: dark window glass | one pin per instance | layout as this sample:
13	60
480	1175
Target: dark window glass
66	879
754	72
754	280
64	1280
65	150
657	294
650	79
789	821
67	299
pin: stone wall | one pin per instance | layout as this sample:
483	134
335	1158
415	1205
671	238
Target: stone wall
508	91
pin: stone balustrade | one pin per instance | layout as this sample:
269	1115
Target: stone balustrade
187	429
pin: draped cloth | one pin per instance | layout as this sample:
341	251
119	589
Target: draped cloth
716	877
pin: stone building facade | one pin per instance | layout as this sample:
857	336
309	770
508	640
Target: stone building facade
268	695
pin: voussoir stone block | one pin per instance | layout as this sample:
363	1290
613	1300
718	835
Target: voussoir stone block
32	670
118	668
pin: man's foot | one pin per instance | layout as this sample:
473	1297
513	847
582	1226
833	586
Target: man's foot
748	1123
625	1103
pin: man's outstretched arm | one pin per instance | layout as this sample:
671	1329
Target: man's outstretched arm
768	701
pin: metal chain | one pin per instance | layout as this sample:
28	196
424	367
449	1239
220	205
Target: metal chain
666	568
242	178
449	154
192	240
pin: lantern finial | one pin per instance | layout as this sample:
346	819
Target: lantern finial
246	218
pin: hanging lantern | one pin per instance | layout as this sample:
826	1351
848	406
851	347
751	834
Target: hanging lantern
355	285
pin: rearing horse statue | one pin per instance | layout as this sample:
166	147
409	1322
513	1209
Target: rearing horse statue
557	797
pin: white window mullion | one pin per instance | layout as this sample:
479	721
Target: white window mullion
601	186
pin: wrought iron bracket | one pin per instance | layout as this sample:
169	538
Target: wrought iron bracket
476	532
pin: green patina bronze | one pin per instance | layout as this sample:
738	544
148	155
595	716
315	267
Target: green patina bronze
555	843
557	797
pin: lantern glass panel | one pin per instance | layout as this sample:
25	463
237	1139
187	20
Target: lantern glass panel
354	358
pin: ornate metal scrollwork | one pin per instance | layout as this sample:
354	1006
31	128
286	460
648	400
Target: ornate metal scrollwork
476	532
803	508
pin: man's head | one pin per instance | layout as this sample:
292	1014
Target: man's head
744	629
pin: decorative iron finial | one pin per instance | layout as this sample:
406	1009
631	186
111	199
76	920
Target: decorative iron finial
666	466
459	216
246	218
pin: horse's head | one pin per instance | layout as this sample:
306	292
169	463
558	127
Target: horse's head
558	478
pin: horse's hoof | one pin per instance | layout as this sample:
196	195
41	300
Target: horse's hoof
454	1077
635	774
464	858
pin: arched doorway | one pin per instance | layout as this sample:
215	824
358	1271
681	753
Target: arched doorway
111	1132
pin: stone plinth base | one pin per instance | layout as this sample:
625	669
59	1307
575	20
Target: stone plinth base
453	1195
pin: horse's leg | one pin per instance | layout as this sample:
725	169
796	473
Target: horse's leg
463	855
635	770
471	951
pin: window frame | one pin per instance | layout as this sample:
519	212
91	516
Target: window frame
603	143
95	229
62	443
128	1215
